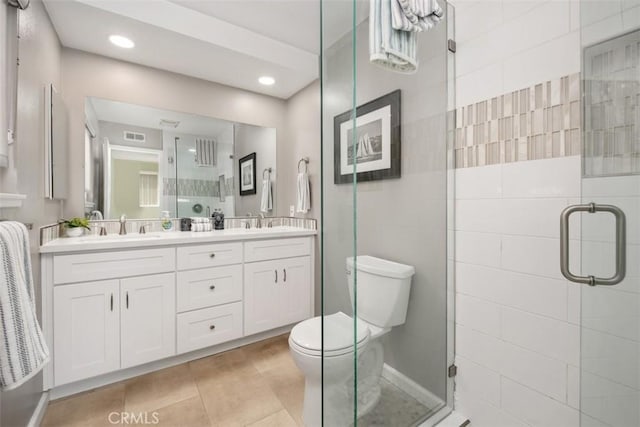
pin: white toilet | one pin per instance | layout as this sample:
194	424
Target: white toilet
383	296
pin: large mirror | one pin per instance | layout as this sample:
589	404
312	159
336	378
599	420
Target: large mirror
140	161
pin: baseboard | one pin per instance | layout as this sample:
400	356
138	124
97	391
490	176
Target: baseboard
455	419
411	387
38	413
113	377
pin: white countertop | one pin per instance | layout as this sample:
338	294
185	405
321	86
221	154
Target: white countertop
132	241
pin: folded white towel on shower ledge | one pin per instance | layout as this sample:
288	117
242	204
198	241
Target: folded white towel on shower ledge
388	47
415	15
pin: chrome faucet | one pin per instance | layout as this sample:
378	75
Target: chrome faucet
96	215
259	220
143	228
123	225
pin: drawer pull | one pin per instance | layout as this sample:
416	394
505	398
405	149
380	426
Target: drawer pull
212	327
285	274
212	256
276	271
127	300
212	287
111	302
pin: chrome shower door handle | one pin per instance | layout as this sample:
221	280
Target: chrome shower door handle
621	244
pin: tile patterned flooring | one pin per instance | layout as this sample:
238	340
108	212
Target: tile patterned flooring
257	385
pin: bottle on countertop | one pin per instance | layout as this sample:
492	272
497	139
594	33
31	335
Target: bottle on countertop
167	224
218	219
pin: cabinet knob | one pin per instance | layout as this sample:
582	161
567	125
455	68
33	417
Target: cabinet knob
212	287
212	327
212	255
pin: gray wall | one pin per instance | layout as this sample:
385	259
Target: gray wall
39	65
262	141
85	74
404	219
303	140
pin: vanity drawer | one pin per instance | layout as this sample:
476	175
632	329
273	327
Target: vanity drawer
263	250
209	287
209	326
110	265
214	255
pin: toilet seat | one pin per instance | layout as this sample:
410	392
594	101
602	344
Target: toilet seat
306	337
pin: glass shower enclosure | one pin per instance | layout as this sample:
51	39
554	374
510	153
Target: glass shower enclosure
387	195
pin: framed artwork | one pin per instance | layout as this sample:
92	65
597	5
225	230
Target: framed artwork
247	168
374	146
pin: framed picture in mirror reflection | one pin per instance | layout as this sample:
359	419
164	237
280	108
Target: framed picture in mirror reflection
247	175
373	149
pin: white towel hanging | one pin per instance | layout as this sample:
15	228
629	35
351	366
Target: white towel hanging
266	199
303	193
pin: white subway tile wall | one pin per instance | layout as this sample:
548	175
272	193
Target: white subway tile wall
517	331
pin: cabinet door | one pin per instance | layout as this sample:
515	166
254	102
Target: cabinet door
262	308
86	330
148	318
295	290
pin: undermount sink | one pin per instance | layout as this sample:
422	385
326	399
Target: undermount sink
117	237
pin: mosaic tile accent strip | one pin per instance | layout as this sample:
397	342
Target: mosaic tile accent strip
55	231
612	107
195	187
538	122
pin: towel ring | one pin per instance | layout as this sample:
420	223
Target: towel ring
266	170
306	164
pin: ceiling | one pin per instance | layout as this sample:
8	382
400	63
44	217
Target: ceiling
148	117
232	42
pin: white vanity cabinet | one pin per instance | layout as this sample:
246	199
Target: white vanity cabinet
100	327
147	321
114	309
277	291
209	299
86	330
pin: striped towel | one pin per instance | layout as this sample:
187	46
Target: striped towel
388	47
205	152
23	351
415	15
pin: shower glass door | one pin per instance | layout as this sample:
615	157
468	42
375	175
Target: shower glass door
610	225
386	194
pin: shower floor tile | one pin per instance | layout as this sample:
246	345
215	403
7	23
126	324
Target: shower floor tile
395	408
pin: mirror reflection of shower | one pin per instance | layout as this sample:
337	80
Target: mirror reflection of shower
140	161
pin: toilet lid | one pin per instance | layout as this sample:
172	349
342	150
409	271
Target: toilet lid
338	333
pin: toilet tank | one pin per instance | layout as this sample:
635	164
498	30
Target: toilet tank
382	288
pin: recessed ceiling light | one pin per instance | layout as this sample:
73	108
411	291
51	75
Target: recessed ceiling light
266	80
121	41
192	150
